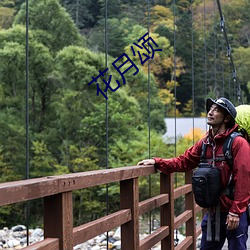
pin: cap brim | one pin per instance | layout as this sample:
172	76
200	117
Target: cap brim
209	103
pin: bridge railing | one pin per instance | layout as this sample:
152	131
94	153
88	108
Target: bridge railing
56	192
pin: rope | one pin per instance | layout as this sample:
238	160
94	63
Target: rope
27	207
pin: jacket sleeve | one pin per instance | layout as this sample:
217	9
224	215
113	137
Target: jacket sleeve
241	175
185	162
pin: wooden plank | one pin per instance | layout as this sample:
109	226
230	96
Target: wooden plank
129	196
190	205
182	218
178	192
198	231
152	203
24	190
46	244
167	210
90	230
154	238
198	209
58	219
185	244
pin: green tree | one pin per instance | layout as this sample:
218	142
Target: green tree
80	112
13	148
84	13
6	17
40	67
53	25
12	113
42	163
13	60
242	64
117	30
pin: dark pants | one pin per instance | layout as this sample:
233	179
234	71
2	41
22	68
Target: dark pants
237	238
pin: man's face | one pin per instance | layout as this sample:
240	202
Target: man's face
215	116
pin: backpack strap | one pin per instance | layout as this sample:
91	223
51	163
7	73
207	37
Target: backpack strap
227	151
203	155
227	148
203	152
217	207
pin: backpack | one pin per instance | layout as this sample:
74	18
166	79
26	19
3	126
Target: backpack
206	185
243	120
206	179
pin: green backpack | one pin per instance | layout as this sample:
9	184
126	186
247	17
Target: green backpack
243	120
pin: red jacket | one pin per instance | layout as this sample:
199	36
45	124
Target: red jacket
241	167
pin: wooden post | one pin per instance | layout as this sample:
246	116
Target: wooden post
129	197
58	219
167	210
190	205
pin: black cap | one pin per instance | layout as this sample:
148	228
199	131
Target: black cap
223	103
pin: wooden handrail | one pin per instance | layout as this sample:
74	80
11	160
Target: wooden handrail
24	190
56	191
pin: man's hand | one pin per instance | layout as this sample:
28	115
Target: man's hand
232	221
146	162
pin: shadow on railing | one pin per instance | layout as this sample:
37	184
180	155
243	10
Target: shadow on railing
56	192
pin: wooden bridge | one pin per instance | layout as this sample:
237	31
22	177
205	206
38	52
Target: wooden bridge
56	192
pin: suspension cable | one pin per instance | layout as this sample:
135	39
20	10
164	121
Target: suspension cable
149	120
205	50
106	110
27	207
221	68
27	88
229	53
175	95
215	52
192	76
174	72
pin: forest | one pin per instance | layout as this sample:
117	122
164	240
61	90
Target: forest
49	90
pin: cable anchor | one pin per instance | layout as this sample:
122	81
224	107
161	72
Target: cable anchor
229	51
222	24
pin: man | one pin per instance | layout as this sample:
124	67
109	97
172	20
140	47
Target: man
221	115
